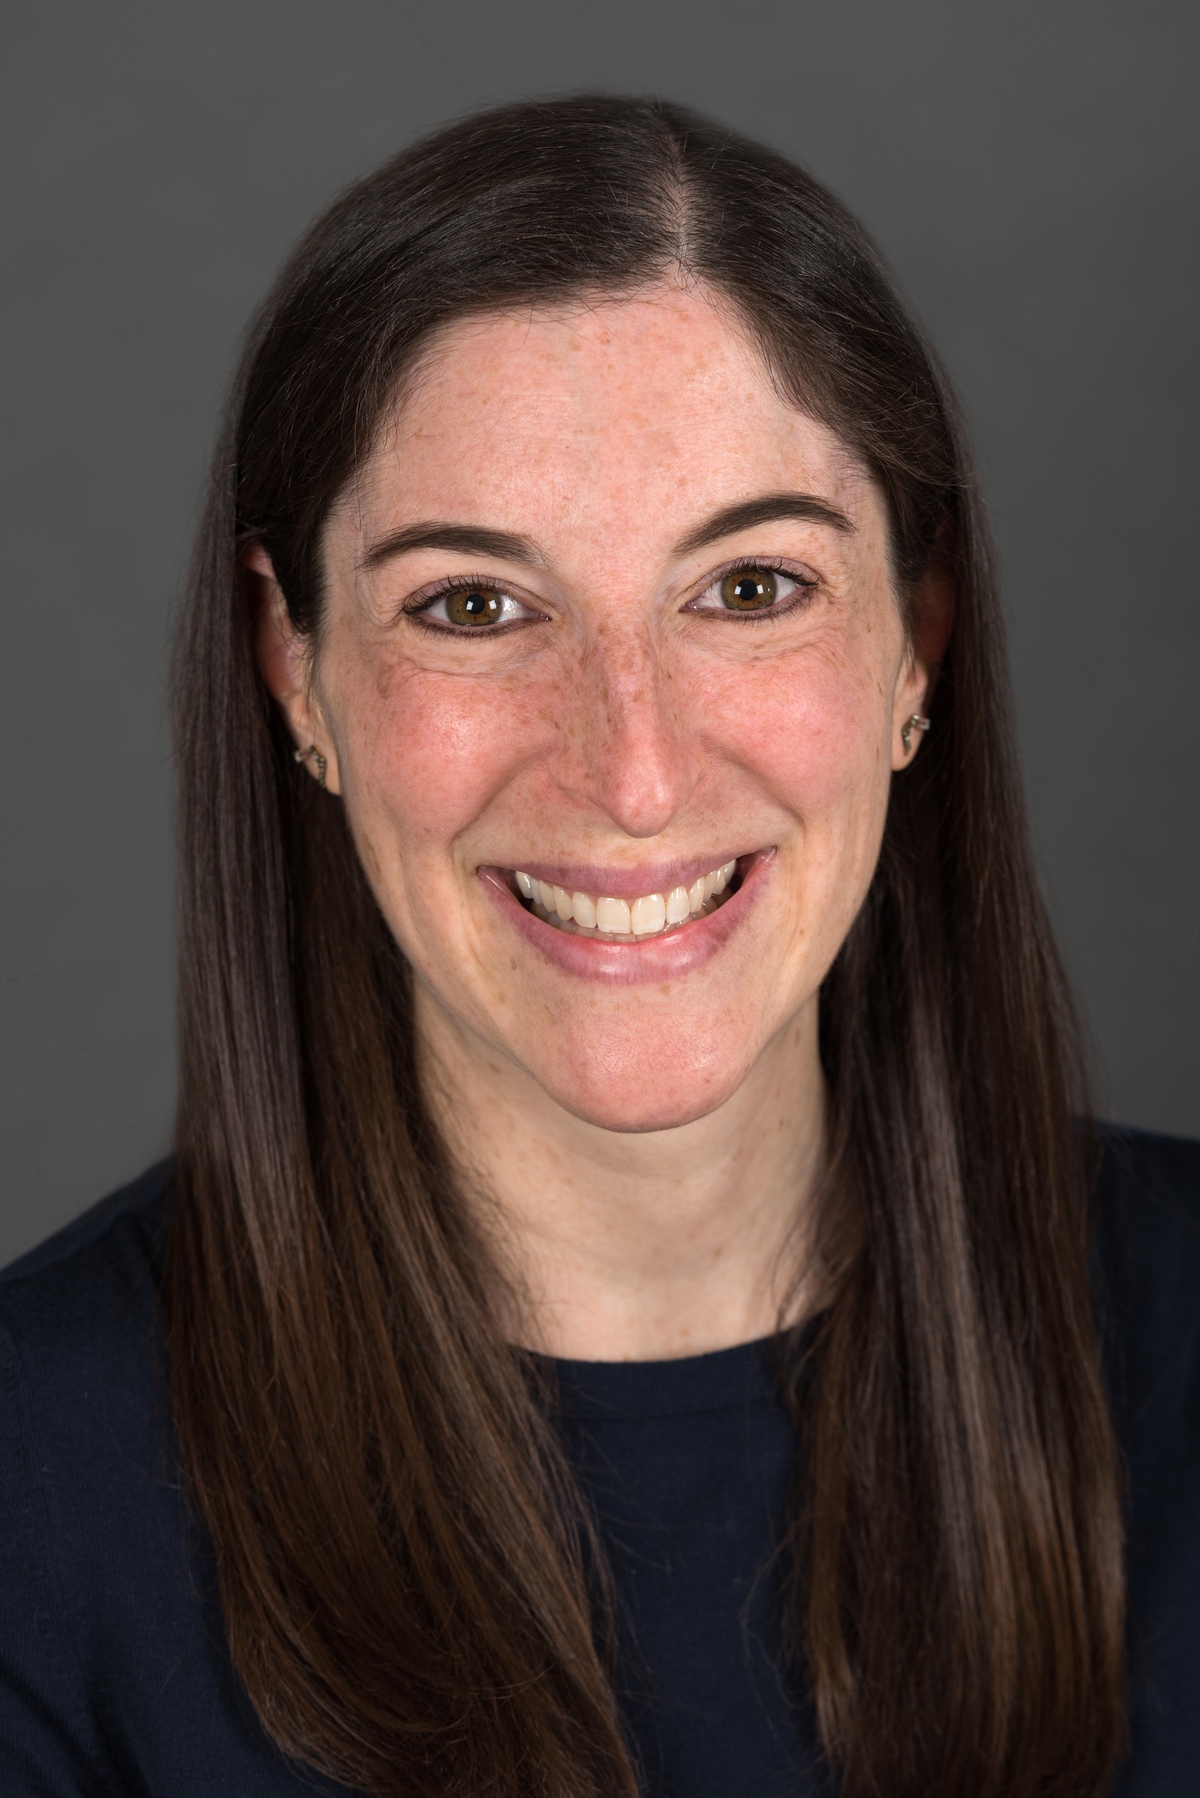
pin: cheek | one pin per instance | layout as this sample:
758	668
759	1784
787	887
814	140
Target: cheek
429	752
812	731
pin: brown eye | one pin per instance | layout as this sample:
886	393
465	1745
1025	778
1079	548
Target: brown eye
750	590
474	605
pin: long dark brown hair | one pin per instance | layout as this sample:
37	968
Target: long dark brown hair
403	1558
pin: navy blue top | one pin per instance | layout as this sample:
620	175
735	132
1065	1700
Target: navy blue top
114	1674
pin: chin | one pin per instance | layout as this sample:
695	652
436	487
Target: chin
635	1099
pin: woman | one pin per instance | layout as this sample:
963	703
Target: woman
624	1311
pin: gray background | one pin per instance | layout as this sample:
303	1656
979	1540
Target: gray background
1029	168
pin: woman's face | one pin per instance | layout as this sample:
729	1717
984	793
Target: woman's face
605	611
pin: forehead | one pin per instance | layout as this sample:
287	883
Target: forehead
636	413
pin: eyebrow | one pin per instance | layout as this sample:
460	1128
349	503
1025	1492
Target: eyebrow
763	510
477	540
469	539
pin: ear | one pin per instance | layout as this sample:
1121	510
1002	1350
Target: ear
285	663
932	617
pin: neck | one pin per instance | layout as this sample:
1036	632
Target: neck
636	1246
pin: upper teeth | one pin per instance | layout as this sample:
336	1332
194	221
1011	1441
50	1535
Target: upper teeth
625	917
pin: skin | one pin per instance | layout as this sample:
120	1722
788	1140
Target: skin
645	1120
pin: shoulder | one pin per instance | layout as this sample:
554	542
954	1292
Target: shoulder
83	1367
135	1214
83	1454
114	1673
1147	1273
88	1296
1149	1184
81	1356
90	1290
1146	1234
81	1341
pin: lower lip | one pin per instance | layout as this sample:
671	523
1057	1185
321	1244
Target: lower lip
647	958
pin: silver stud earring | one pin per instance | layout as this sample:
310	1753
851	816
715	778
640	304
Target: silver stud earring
916	722
302	755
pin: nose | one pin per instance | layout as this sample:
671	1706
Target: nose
625	745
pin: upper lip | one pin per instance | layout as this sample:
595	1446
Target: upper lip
605	881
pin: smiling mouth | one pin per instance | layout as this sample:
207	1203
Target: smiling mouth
626	920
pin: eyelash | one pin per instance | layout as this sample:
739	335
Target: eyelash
753	565
467	583
458	583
